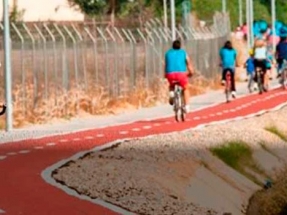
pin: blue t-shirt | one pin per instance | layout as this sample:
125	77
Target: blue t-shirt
250	65
281	49
175	60
228	58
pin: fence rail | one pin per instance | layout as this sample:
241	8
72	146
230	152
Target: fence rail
49	59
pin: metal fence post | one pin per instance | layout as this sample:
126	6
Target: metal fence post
106	59
132	74
123	52
83	56
55	60
115	78
23	73
95	54
65	73
75	63
35	73
146	57
45	61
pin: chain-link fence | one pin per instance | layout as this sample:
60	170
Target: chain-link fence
49	59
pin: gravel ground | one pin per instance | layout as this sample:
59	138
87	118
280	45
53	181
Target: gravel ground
151	175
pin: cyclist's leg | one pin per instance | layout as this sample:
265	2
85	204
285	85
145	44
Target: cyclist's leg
183	81
233	88
171	78
224	71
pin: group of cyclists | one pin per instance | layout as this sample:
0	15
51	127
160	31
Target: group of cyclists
178	65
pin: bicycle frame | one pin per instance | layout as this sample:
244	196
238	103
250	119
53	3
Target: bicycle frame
178	102
228	85
259	73
284	74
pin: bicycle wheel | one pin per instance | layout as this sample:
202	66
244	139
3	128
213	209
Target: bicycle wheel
284	74
259	82
176	105
182	112
228	86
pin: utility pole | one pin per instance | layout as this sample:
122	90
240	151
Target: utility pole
172	11
7	64
248	23
223	6
251	23
273	9
165	14
240	12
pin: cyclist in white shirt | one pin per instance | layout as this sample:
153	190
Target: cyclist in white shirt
260	58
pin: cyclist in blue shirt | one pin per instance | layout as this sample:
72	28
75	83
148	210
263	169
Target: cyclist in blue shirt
281	53
228	57
178	67
250	68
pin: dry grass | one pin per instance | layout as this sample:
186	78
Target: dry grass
272	201
92	101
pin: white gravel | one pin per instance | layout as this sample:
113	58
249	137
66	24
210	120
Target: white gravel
152	175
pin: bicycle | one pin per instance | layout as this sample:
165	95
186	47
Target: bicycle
228	85
3	111
178	102
284	75
259	78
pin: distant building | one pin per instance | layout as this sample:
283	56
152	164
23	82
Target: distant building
45	10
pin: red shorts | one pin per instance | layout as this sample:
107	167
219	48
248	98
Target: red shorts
181	77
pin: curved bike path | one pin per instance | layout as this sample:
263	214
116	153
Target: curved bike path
24	191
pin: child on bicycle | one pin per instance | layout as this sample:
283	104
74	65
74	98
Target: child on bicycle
228	56
250	68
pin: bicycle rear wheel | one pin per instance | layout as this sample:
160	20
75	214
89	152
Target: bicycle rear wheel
183	113
284	79
259	82
176	105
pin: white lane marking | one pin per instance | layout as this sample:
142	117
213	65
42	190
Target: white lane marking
63	141
50	144
147	127
2	211
168	122
100	135
156	124
188	120
11	153
196	118
136	129
204	117
24	151
226	111
123	132
232	110
39	147
212	115
3	157
76	139
89	138
219	114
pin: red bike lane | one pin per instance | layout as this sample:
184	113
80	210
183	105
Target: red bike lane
24	191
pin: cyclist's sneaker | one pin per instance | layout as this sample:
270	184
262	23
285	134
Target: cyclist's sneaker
186	108
171	96
233	93
222	82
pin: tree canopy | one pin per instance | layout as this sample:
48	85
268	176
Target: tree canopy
204	9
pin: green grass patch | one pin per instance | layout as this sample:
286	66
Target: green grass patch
232	153
277	132
238	155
